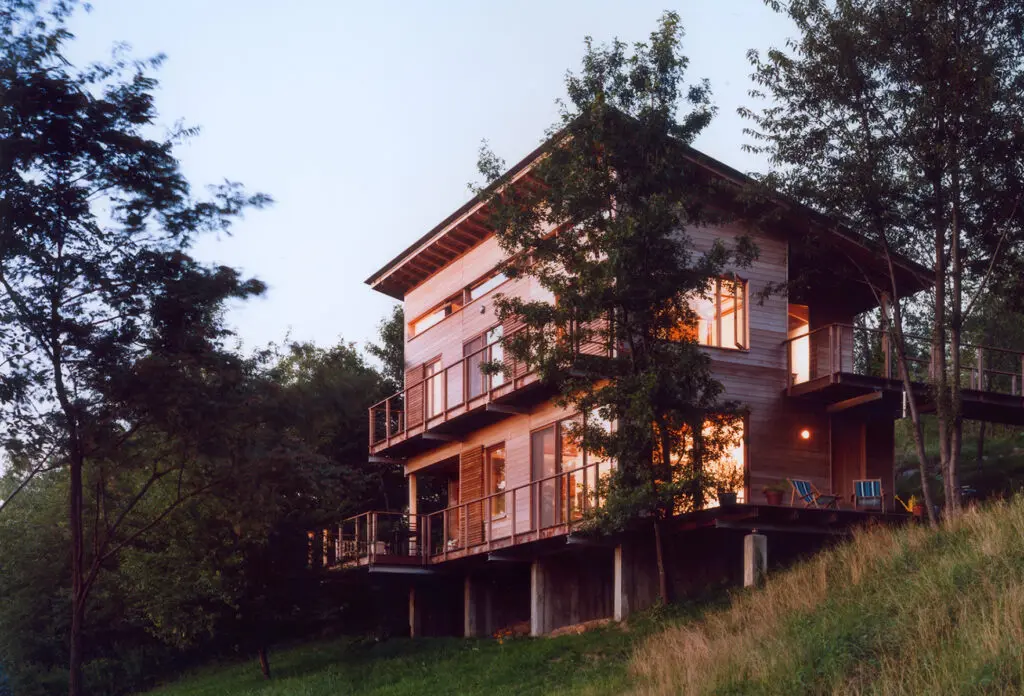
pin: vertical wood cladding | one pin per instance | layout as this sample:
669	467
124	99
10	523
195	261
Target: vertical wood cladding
471	487
414	396
756	377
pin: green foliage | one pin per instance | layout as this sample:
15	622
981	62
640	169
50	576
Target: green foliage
391	349
605	231
904	120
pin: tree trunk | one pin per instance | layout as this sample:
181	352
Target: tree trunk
980	455
264	662
664	586
77	584
895	330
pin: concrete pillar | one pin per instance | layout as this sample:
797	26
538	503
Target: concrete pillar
538	600
415	615
621	585
413	504
470	605
755	559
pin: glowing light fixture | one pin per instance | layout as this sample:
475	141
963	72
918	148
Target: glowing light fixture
805	434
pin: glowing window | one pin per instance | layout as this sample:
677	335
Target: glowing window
722	313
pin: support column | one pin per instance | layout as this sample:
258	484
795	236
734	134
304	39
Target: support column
415	615
538	600
414	539
634	578
755	559
470	604
621	596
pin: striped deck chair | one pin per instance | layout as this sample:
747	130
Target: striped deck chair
868	495
810	496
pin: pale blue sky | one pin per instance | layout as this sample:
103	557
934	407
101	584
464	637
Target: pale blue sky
363	120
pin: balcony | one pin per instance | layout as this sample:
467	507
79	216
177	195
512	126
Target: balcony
460	398
845	366
542	509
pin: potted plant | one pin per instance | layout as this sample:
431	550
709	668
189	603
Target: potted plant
773	492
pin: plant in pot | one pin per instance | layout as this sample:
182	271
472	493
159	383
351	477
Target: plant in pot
773	492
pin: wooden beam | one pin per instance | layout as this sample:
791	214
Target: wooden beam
440	437
796	529
502	408
373	459
855	401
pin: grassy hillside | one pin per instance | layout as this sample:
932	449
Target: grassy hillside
906	611
592	663
893	612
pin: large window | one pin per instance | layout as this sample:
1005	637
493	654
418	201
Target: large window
496	478
568	477
722	314
724	460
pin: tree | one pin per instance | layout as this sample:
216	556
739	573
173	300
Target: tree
615	189
391	349
110	333
905	120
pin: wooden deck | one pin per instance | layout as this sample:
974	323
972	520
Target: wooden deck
853	367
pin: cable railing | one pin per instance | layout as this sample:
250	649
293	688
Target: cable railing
844	348
465	383
519	514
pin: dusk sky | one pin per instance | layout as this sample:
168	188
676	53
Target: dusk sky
363	120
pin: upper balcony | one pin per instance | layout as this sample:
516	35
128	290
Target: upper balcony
459	399
845	366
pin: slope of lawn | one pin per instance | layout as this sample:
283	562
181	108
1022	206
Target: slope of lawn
592	663
893	611
907	611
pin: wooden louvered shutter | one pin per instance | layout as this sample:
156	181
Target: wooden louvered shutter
595	337
414	396
514	368
471	487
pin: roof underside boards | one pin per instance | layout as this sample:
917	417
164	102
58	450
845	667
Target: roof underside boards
826	257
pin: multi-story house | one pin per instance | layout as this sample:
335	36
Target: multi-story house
495	485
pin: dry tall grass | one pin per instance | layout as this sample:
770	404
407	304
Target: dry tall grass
907	611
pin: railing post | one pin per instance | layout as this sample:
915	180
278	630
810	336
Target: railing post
980	358
373	426
536	506
490	521
513	516
387	418
444	532
886	358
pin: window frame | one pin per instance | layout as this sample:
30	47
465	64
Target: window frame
458	301
740	314
489	474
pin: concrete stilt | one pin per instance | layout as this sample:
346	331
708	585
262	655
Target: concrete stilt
755	559
538	600
415	615
470	604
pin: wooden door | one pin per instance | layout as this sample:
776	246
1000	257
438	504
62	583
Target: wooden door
848	455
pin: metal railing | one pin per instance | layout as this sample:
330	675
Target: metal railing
519	514
433	397
466	382
866	351
370	537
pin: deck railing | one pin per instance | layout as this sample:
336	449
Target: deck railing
466	382
519	514
866	351
375	535
434	396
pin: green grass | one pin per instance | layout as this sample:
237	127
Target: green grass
592	663
909	611
893	612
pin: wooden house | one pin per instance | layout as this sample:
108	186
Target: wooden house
495	487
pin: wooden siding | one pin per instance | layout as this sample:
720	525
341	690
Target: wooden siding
756	377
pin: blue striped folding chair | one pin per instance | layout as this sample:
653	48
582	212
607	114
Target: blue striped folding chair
805	492
868	495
